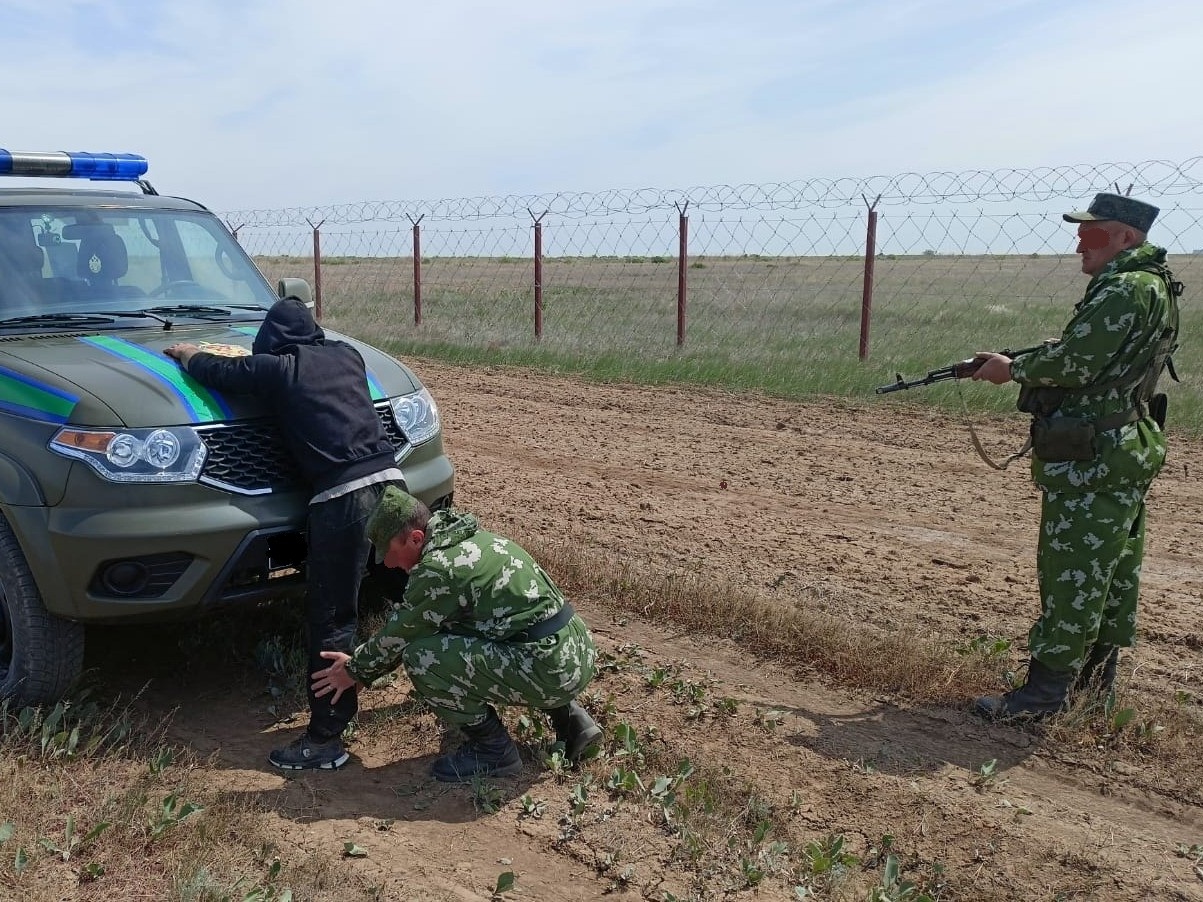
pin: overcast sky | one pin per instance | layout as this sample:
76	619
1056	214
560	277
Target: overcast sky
261	104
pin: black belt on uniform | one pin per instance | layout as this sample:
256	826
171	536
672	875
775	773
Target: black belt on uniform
1123	418
545	628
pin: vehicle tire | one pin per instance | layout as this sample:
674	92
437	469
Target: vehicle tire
41	655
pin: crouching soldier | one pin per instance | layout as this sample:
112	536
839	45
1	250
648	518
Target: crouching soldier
480	624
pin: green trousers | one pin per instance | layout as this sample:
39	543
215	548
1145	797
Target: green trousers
459	676
1088	563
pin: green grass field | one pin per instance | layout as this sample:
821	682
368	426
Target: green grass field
787	326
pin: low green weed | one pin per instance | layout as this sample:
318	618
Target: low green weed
531	807
895	888
987	776
173	812
985	645
487	797
72	842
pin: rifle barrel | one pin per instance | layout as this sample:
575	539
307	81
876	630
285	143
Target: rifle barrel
957	371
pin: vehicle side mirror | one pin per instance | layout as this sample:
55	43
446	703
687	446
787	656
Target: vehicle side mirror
295	288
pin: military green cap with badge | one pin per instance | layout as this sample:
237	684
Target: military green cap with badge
1117	208
390	515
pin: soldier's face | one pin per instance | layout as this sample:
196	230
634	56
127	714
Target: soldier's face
405	549
1099	243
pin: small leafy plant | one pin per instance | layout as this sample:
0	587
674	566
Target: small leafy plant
531	807
987	776
487	796
172	813
895	888
988	646
505	883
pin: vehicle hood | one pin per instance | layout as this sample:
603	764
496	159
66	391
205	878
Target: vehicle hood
123	378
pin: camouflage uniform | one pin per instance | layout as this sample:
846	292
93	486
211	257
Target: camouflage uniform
1093	513
455	630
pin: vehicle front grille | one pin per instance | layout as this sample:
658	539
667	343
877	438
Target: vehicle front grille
249	458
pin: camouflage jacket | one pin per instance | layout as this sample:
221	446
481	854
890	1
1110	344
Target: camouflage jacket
468	582
1108	340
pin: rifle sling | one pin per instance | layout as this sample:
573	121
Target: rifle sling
977	442
1105	424
1007	461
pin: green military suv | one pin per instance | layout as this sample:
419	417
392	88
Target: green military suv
129	491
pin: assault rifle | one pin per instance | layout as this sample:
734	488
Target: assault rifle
960	370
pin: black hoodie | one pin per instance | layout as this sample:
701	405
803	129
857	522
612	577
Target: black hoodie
317	391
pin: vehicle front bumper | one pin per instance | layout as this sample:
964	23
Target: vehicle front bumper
183	550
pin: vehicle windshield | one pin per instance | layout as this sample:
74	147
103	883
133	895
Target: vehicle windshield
86	259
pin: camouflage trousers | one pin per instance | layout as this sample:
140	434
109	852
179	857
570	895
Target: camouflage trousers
1088	563
458	676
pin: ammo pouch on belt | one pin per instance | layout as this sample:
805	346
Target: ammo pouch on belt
1039	401
1057	439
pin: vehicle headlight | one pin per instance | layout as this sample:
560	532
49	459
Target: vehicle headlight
417	415
135	455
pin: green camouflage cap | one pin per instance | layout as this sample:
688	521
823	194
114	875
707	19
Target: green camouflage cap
388	518
1117	208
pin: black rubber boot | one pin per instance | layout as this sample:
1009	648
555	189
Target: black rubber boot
575	728
489	752
1045	693
1098	673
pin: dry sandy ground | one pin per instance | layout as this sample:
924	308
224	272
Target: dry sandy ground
879	513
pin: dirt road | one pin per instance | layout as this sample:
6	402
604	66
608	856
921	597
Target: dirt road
879	513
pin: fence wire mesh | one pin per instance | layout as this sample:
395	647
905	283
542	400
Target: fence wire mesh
762	279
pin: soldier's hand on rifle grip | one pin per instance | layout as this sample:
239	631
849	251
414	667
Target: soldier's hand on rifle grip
993	367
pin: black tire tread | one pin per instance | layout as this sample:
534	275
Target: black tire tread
48	651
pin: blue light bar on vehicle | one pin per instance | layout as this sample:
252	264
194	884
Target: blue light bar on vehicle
101	167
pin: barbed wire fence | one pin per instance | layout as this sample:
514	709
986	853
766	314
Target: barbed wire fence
769	275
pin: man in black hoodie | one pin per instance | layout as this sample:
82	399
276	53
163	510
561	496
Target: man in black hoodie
318	393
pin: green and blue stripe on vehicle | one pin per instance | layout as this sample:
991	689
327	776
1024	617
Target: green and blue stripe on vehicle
203	405
26	397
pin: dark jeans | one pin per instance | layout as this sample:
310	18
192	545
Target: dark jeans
338	557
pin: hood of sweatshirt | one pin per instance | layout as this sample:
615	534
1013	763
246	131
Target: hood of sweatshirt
287	324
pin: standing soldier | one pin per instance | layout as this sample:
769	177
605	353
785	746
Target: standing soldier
1097	444
480	624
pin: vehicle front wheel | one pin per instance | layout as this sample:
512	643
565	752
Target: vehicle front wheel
41	655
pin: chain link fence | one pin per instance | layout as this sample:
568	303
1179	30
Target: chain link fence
766	279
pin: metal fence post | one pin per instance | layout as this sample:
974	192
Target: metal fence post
866	302
682	270
538	272
417	268
317	269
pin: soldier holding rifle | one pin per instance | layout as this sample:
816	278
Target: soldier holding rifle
1097	444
